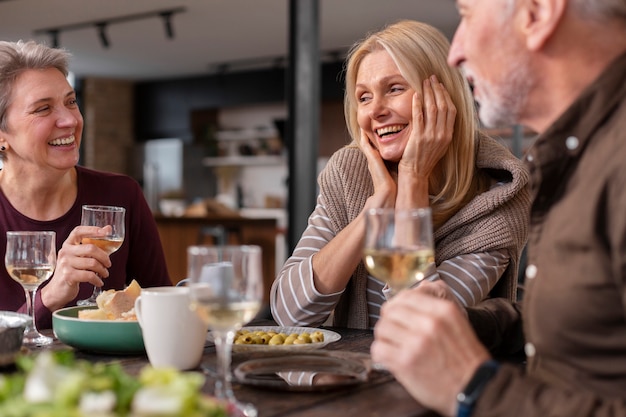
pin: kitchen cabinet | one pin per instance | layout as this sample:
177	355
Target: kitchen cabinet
178	233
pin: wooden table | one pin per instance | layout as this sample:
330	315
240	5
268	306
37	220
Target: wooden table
384	398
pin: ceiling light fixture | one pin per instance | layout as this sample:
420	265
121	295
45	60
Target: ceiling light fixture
54	36
275	62
102	34
102	24
167	22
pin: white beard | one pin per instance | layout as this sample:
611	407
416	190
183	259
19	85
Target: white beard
502	102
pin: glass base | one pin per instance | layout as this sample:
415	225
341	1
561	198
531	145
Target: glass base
245	409
91	301
34	338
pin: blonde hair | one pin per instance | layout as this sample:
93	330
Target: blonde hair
419	50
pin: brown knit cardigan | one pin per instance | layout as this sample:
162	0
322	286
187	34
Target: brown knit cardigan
496	219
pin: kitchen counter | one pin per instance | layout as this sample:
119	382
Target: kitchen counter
178	233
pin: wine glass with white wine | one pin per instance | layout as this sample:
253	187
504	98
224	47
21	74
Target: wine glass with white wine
398	246
101	216
30	259
226	291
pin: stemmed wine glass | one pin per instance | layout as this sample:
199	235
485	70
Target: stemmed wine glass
94	215
30	259
226	291
398	246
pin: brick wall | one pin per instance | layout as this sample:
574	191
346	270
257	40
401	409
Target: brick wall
108	134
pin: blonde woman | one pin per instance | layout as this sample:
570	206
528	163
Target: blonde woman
416	142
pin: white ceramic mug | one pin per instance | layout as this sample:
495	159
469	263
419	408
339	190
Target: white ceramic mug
174	336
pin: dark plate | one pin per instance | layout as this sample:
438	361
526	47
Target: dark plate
310	371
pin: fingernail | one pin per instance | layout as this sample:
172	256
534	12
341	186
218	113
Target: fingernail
433	78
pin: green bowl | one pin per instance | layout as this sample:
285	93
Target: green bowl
100	336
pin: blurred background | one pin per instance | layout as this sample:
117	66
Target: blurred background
216	107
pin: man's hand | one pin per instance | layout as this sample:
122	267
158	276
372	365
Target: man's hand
429	346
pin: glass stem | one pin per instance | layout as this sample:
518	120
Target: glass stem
96	292
223	349
31	329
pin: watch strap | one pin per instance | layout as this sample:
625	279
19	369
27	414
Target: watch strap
467	398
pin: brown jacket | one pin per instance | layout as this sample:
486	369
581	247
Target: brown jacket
574	309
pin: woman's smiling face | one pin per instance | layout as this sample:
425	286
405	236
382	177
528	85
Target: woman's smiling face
44	122
384	110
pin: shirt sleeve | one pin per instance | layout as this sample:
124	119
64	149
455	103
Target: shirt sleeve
511	392
471	276
294	300
146	259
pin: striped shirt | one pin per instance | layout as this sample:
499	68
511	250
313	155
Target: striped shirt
296	301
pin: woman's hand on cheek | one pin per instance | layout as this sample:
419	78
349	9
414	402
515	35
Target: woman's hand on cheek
432	129
385	188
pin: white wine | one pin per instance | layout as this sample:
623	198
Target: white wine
107	244
225	315
30	277
400	268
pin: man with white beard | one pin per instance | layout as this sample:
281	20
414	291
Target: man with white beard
558	67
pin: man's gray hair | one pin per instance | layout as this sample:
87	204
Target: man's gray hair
598	10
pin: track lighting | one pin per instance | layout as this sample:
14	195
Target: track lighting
102	34
167	22
103	24
54	36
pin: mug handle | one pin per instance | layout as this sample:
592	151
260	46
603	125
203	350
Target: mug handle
138	310
182	282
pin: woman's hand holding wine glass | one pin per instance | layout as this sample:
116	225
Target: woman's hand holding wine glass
398	246
103	216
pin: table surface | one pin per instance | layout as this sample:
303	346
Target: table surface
381	396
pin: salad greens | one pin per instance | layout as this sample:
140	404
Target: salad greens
56	384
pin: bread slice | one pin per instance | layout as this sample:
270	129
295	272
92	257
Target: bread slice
92	314
114	305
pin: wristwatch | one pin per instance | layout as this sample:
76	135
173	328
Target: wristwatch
467	398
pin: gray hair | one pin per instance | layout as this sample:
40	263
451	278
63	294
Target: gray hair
17	57
598	10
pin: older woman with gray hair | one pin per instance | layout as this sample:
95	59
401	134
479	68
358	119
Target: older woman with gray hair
42	187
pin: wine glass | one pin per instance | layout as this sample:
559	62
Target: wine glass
398	246
30	259
226	291
101	216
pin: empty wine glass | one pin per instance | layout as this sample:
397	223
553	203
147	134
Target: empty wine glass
30	259
398	246
94	215
226	290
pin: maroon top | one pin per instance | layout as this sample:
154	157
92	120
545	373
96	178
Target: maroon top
140	257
